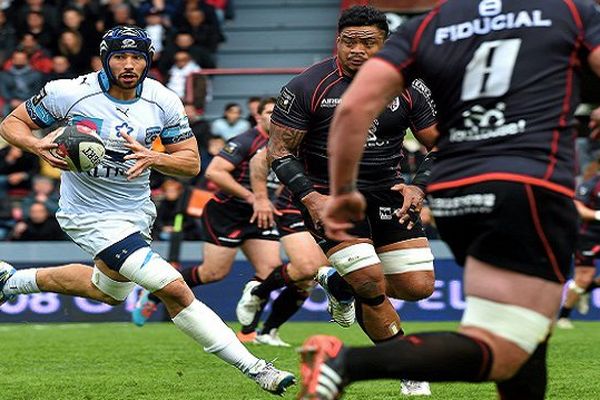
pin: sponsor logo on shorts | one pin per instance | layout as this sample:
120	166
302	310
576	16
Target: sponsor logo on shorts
297	225
385	213
230	148
482	203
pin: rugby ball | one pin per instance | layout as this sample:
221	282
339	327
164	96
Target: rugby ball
80	146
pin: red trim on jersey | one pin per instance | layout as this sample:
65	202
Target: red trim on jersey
576	15
542	235
339	67
289	211
208	227
501	176
562	121
262	132
312	99
408	98
419	33
325	92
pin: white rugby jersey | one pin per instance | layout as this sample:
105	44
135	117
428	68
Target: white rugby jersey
156	111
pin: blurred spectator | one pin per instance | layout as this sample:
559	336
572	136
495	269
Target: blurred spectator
178	74
42	192
204	34
61	69
156	28
168	9
8	38
73	20
184	41
37	26
231	124
7	222
220	7
39	226
19	82
70	45
96	63
252	105
39	59
201	129
17	168
49	12
166	211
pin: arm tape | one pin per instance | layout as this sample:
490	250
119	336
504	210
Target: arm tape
291	173
421	178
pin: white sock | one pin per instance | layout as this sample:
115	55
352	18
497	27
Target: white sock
207	329
22	282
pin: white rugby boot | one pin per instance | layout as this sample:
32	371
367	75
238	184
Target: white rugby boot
270	378
342	313
6	271
248	305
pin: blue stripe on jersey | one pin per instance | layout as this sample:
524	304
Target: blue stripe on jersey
39	114
175	134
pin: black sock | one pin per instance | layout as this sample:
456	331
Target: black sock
276	279
529	383
565	312
246	329
191	277
339	288
434	357
285	305
592	286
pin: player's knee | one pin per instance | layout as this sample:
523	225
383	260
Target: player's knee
108	290
176	292
212	275
302	269
418	286
369	292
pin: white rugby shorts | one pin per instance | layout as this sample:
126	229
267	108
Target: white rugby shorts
94	232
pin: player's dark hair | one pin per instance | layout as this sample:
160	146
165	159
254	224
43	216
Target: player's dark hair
263	103
229	106
363	16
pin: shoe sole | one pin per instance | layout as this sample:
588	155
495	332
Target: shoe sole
313	354
284	384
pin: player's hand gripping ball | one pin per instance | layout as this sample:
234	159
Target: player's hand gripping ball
80	146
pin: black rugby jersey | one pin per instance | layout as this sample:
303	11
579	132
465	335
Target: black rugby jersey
308	102
588	193
505	77
239	150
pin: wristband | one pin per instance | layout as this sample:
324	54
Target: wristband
291	173
421	178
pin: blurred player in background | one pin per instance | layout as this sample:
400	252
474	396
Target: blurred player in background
504	76
388	257
108	211
587	202
304	255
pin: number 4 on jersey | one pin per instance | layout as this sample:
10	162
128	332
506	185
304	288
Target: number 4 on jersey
489	72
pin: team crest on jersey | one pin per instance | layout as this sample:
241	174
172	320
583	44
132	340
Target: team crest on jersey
230	148
123	128
394	105
285	100
151	134
385	213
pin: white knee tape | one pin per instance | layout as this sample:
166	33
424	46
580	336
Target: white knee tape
522	326
353	258
407	260
149	270
115	289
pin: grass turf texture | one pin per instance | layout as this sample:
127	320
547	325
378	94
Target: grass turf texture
115	361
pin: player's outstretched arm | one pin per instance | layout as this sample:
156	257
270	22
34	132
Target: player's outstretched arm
17	128
179	159
263	208
220	172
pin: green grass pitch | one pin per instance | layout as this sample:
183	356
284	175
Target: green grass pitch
114	361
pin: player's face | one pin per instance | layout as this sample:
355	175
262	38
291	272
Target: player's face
127	68
264	118
356	44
